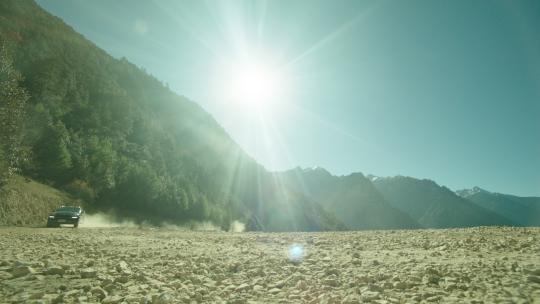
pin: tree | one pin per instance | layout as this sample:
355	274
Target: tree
12	104
53	154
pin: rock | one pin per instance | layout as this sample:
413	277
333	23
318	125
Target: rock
352	299
5	275
331	282
52	298
370	296
163	298
123	267
301	285
400	285
331	271
37	295
19	263
435	299
99	292
112	300
52	270
279	284
88	273
375	287
22	270
242	287
122	279
431	279
72	293
534	279
134	298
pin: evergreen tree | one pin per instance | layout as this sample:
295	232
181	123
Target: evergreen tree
53	154
12	104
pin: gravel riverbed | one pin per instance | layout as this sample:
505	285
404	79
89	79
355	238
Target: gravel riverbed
143	265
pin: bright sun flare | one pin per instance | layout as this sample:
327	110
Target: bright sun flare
254	85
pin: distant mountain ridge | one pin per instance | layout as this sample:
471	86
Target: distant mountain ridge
524	211
352	198
435	206
372	202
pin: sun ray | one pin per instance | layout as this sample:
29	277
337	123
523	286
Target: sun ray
183	18
260	22
342	29
333	126
283	194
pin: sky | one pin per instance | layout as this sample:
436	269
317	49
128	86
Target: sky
445	90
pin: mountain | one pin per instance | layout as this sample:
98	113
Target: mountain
353	199
524	211
107	132
435	206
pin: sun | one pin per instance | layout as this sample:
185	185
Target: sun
254	85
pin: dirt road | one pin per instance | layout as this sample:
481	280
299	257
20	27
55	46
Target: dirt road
131	265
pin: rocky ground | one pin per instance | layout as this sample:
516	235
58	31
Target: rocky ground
131	265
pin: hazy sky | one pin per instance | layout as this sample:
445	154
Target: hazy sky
446	90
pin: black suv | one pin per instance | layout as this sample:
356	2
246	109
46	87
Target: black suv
65	215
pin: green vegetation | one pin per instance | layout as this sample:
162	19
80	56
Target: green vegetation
24	202
12	103
107	132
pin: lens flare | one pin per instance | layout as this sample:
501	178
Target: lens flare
296	253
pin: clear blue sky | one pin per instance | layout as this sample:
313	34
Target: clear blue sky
445	90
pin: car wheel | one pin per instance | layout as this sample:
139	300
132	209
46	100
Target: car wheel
76	224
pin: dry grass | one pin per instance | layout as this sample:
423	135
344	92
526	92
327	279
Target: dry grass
24	202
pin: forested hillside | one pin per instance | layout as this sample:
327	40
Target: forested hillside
107	132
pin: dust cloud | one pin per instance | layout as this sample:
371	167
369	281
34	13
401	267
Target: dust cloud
237	226
103	220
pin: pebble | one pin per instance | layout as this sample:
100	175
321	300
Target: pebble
52	270
88	273
99	292
112	300
165	266
534	279
22	270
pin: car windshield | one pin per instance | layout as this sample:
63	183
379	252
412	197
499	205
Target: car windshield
68	209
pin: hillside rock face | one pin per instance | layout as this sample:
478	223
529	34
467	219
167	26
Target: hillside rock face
435	206
524	211
353	199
